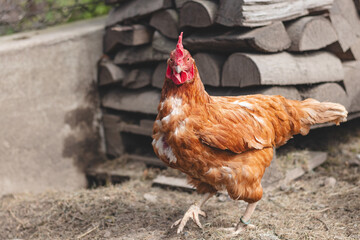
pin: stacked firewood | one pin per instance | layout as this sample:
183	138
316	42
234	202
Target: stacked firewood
296	48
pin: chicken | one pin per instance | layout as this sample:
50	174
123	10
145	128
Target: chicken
226	143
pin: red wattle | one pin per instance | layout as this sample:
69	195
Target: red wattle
176	78
168	72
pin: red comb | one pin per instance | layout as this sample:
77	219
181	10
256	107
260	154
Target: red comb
179	54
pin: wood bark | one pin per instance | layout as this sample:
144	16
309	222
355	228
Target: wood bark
136	9
246	69
346	36
113	140
310	33
352	84
141	54
259	13
347	9
142	101
346	22
209	66
272	38
138	78
198	13
133	35
166	22
180	3
163	44
110	73
158	76
328	92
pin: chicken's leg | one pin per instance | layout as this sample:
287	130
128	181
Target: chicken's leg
244	221
193	213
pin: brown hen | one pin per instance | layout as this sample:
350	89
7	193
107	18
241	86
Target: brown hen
226	143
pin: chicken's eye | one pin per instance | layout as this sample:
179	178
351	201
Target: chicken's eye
188	59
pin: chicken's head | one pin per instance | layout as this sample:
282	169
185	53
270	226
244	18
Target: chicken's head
180	67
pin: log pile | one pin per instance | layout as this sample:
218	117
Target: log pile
296	48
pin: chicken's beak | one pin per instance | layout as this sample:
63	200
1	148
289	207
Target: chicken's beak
178	69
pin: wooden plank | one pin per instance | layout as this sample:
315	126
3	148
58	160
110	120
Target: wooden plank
198	13
209	66
136	9
166	22
151	161
141	54
311	33
316	158
172	182
133	35
352	84
158	76
142	100
163	44
113	140
110	73
246	69
136	129
259	13
272	38
138	78
328	92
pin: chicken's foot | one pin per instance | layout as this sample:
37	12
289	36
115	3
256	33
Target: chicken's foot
244	222
193	213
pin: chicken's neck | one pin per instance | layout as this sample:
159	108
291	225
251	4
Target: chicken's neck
191	92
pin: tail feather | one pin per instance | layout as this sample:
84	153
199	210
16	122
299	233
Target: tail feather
316	112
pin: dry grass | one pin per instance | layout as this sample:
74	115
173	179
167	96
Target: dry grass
306	209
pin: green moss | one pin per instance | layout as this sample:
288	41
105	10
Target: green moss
43	13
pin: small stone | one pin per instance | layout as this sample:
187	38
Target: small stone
222	198
268	236
284	187
358	156
107	234
150	197
330	182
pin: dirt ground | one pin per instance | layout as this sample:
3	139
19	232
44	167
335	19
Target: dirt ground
312	207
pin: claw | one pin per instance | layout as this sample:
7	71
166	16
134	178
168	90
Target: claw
193	213
176	223
235	231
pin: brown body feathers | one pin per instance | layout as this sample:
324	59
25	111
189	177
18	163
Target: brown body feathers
227	142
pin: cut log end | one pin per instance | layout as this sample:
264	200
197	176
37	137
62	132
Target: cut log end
166	22
198	13
239	71
311	33
209	66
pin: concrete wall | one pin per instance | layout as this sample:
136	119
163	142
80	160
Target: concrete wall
48	107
